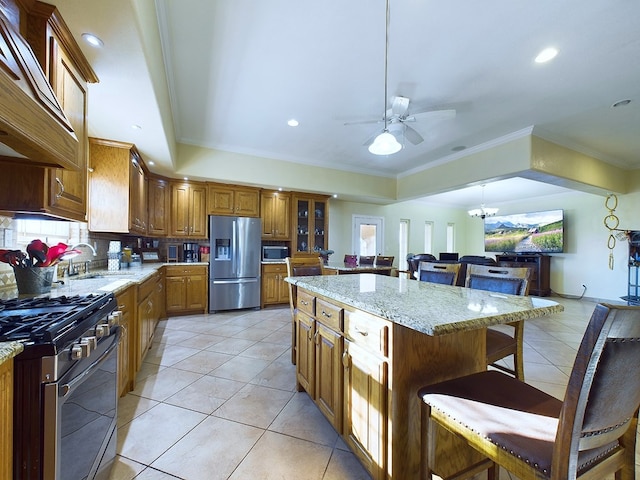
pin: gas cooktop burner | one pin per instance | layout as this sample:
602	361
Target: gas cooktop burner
45	320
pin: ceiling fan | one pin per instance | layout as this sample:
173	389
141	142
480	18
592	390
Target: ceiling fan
397	118
391	139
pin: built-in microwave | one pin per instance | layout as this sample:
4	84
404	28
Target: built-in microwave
272	253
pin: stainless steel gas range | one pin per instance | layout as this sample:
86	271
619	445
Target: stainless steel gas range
65	385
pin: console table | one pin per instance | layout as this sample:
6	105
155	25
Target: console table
540	270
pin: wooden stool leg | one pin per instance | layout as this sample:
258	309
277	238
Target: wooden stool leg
427	443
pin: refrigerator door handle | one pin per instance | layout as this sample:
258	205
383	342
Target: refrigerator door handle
235	249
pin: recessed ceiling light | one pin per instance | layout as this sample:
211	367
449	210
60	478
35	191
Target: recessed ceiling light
335	195
546	55
293	122
459	148
279	189
621	103
151	162
136	127
91	39
185	178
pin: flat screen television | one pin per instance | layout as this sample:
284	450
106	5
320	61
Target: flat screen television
535	232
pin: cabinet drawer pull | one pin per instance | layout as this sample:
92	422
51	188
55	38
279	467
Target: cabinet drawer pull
328	315
303	302
364	333
345	359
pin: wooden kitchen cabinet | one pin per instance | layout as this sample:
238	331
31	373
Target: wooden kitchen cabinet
276	215
126	351
311	223
305	353
58	192
233	200
147	316
118	178
6	419
319	351
158	207
186	289
274	289
328	378
31	118
188	210
365	397
138	193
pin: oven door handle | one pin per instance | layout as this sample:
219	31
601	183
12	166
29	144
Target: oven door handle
66	388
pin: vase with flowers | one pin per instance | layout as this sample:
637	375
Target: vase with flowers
34	269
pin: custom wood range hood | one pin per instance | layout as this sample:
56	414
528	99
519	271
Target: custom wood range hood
32	122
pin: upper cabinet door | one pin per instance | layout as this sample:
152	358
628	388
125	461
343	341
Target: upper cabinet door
158	199
233	200
276	215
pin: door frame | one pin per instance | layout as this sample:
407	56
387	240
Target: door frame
356	221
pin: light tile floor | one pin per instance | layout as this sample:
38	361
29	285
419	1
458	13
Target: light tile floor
216	399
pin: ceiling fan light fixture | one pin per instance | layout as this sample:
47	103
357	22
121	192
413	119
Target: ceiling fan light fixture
385	144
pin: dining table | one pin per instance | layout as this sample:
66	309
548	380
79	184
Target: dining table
344	268
392	336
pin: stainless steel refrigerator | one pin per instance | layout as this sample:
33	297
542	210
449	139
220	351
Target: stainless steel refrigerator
234	263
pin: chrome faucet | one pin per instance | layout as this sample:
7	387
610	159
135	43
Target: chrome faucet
82	244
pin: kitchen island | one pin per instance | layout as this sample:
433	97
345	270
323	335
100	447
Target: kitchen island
366	343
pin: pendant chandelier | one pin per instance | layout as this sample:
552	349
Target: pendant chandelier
483	211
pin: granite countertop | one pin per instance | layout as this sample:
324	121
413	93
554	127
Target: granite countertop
101	281
8	350
426	307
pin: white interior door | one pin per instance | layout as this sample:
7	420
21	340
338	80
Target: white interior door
368	235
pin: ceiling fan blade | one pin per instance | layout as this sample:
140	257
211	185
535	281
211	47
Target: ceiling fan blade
413	136
436	114
399	106
364	122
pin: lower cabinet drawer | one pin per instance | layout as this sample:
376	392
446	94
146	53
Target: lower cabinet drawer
306	303
329	314
367	331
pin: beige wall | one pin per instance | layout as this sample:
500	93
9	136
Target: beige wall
586	257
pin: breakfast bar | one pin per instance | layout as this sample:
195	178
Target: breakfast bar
366	343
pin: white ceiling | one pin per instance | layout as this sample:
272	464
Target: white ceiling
236	71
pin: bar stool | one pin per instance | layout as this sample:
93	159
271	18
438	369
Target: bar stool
589	435
500	344
297	267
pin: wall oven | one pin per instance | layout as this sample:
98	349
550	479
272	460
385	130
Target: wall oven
65	382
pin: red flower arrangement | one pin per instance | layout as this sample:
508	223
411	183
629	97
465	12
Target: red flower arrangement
38	255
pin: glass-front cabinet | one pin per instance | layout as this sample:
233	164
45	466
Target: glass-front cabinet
311	223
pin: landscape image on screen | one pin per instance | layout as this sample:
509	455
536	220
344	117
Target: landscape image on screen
535	232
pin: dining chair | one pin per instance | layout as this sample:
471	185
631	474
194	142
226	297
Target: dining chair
413	263
444	273
384	261
502	344
367	260
350	259
589	435
297	267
